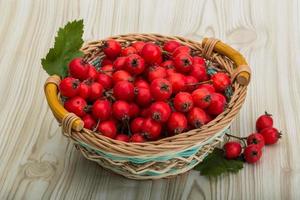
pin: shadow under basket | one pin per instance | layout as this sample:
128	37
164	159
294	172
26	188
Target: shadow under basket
169	156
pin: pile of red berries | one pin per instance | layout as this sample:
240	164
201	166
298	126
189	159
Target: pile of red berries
266	135
144	91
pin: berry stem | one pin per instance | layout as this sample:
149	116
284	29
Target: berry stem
268	114
236	137
166	52
242	139
199	83
128	126
109	95
125	124
98	122
103	71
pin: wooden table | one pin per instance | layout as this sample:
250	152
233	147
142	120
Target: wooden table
37	162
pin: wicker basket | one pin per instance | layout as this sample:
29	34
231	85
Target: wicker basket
169	156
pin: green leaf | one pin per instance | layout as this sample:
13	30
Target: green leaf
66	47
216	164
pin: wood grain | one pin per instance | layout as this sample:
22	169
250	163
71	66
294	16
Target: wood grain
37	162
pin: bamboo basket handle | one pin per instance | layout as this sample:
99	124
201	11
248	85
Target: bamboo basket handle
242	73
60	113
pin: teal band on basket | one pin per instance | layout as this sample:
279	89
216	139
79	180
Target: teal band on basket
152	173
138	159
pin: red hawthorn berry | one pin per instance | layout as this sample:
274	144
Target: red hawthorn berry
183	102
221	81
232	149
252	153
256	138
264	121
271	135
112	48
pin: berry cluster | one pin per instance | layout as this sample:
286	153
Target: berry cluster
143	92
266	135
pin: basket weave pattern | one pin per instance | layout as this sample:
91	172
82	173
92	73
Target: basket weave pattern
168	156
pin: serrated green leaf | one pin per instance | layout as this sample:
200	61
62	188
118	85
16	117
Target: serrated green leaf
216	164
66	47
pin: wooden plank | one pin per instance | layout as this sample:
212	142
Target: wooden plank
36	161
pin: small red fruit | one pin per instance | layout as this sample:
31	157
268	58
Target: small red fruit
101	110
221	81
271	135
143	96
76	105
69	87
151	129
191	83
159	61
201	98
181	49
121	110
252	153
183	102
106	61
198	60
122	137
207	86
128	51
199	72
96	91
78	69
141	83
134	110
107	69
232	149
151	53
183	63
145	112
264	121
161	89
119	63
196	117
256	138
160	111
138	46
84	90
168	64
177	123
171	45
89	122
108	128
208	118
121	75
135	64
92	73
170	71
137	138
123	90
217	104
136	125
177	81
105	80
156	72
112	48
